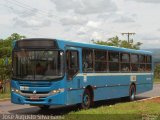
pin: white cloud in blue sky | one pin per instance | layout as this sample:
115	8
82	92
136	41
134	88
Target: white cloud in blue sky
82	20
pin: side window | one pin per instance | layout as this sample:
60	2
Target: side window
100	61
87	56
148	63
134	62
142	58
142	65
113	61
72	63
148	59
125	57
125	62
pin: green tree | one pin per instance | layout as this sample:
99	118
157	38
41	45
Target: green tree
115	41
5	55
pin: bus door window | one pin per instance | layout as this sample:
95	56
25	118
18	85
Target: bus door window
72	60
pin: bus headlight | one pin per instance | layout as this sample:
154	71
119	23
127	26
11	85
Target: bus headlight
58	91
15	90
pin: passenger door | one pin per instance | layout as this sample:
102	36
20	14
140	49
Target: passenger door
72	61
73	80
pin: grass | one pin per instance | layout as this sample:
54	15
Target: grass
120	111
4	95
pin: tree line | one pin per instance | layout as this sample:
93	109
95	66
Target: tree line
6	55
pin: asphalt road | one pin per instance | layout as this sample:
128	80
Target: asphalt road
6	107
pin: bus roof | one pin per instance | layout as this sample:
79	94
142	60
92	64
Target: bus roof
63	43
103	47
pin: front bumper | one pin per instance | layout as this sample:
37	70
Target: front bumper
56	99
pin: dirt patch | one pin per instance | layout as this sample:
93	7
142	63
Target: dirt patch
156	100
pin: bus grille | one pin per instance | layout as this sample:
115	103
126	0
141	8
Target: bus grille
35	100
35	84
31	92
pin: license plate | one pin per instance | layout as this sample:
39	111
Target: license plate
34	97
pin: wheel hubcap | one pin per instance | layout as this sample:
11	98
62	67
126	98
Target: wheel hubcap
132	94
86	100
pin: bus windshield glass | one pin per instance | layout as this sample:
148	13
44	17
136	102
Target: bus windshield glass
37	65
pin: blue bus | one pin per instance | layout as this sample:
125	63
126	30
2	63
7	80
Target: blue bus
57	72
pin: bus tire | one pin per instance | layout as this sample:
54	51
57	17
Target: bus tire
132	93
44	107
86	100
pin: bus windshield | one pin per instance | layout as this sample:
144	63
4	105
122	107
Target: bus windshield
37	65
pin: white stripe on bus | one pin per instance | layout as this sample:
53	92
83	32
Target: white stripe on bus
112	74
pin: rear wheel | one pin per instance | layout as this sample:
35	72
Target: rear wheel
86	100
132	93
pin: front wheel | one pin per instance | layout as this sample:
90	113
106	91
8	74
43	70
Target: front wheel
86	100
132	93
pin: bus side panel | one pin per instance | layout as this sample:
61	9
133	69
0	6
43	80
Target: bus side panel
74	96
110	92
144	88
112	87
144	83
107	87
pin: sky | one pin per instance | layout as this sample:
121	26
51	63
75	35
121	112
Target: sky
82	20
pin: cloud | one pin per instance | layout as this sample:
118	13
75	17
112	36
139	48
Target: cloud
85	6
148	37
23	12
73	20
90	27
31	23
82	30
97	36
93	24
124	19
150	44
118	17
147	1
151	37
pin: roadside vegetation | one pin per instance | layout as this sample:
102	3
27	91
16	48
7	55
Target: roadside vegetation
5	63
5	95
146	110
156	80
157	73
5	91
